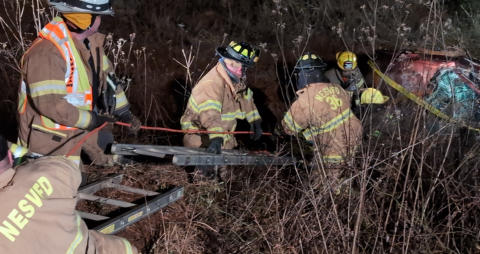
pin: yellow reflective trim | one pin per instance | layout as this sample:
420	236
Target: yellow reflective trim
333	158
329	126
193	104
83	81
291	124
106	63
314	56
305	57
210	104
216	135
128	247
248	95
84	118
41	128
47	87
237	48
188	126
232	43
230	116
252	116
245	53
75	159
78	238
216	129
121	100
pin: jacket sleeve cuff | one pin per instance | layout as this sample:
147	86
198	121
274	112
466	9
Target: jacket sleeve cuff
84	119
216	135
253	116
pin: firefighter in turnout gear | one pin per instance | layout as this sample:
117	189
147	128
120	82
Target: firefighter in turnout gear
38	210
347	75
322	115
67	86
220	98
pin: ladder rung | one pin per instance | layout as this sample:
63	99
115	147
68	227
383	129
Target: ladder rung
91	216
104	200
132	190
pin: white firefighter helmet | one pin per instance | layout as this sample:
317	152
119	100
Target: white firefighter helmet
100	7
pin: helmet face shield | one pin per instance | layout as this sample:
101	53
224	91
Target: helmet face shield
348	65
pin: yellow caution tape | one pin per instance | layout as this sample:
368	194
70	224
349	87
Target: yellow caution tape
417	99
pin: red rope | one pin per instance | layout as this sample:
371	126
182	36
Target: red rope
89	134
192	131
84	138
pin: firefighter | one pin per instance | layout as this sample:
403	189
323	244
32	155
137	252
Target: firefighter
220	98
347	75
38	209
68	88
322	114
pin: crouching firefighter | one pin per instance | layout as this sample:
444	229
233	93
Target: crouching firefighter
38	210
347	75
66	89
220	98
322	114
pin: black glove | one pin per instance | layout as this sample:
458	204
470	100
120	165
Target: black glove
256	128
215	145
135	125
351	85
127	117
97	120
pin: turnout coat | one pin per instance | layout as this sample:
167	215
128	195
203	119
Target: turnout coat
215	105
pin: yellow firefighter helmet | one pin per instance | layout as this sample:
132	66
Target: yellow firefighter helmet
347	60
372	96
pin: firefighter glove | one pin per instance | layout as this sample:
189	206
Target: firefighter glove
256	129
135	125
126	116
97	120
351	86
215	145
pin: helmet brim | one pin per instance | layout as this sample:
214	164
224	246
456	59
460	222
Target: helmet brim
65	8
223	52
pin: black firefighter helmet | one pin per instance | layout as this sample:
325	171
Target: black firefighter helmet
241	52
310	68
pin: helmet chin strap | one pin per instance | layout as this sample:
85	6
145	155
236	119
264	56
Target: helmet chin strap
232	76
